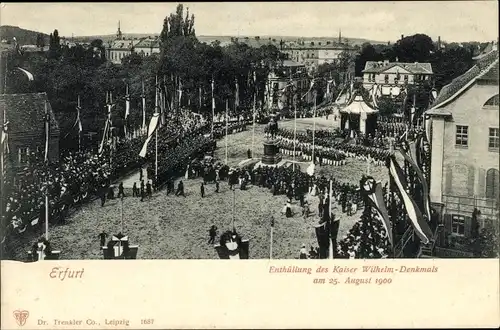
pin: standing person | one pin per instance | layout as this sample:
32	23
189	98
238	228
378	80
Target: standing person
149	191
202	190
303	252
142	190
102	237
180	189
121	193
170	186
134	190
249	154
103	196
212	233
217	186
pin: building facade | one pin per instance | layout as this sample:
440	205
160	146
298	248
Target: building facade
464	121
395	76
147	47
25	114
312	54
289	73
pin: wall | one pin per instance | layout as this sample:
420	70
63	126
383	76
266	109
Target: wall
464	169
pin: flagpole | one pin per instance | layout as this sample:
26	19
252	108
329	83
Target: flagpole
234	207
227	119
46	182
294	131
143	109
271	240
314	130
213	106
156	133
79	123
330	250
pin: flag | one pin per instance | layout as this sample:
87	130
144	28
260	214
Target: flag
427	126
143	95
152	127
78	121
5	137
328	83
421	227
310	88
373	190
310	168
374	96
180	92
127	104
107	128
236	94
34	222
199	95
414	158
47	125
322	231
27	73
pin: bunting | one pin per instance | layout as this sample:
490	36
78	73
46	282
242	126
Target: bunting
421	227
310	88
153	124
373	190
415	159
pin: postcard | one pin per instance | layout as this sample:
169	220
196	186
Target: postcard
249	165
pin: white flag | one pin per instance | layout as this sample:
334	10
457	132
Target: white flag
152	127
127	105
27	73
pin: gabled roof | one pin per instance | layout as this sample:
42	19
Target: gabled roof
123	44
485	68
414	68
26	112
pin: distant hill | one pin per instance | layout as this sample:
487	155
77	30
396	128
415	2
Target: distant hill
227	39
23	36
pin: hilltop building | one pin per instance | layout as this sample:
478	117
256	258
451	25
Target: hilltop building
394	76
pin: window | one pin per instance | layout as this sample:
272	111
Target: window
386	78
406	78
458	224
462	136
492	102
492	180
493	141
23	155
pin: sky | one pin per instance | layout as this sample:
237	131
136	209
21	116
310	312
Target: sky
380	21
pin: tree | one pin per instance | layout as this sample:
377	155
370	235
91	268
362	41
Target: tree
55	45
415	48
488	241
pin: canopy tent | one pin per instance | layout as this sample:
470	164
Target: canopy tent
359	116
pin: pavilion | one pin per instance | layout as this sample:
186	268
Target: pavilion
359	116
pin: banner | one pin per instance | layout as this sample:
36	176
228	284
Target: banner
421	227
152	127
373	190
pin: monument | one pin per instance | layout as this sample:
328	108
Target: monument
271	150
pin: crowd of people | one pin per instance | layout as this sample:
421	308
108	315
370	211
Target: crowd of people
334	151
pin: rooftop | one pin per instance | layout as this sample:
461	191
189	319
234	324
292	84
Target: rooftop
123	43
485	68
415	68
26	112
148	43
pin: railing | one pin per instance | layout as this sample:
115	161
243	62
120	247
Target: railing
451	253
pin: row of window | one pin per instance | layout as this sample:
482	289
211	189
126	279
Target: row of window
462	137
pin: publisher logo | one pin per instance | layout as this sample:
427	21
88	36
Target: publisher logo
21	317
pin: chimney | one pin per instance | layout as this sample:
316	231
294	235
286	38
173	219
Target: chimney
439	43
402	36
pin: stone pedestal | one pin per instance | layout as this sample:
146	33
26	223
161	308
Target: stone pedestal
271	153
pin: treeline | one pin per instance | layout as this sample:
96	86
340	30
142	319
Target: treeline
184	63
448	60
